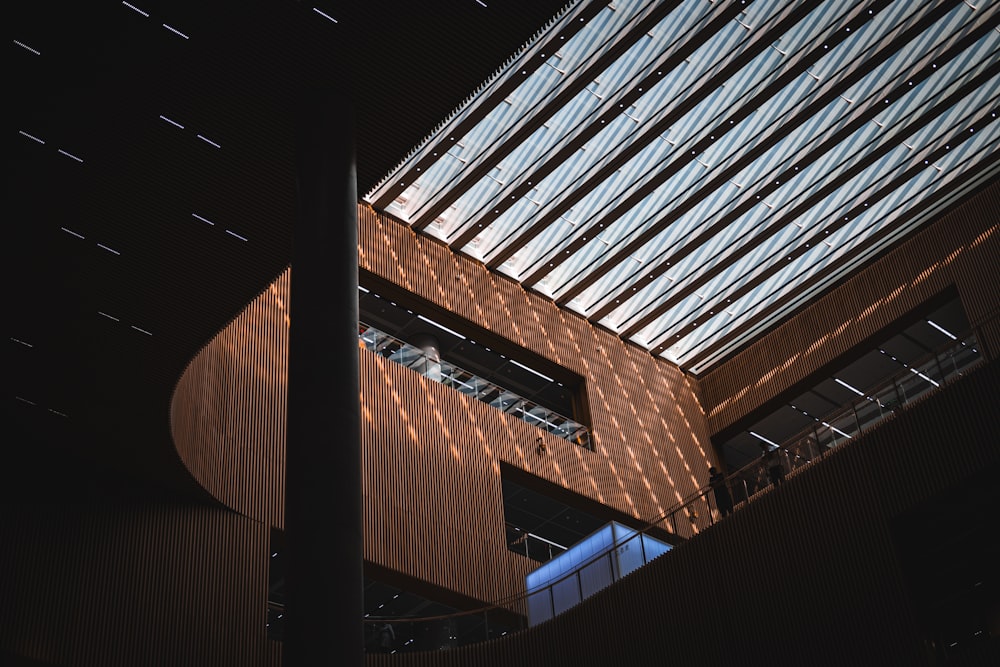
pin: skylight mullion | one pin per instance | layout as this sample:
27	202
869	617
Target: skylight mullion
872	174
709	352
612	299
544	106
478	140
581	283
612	82
882	212
638	170
572	20
783	295
673	33
744	48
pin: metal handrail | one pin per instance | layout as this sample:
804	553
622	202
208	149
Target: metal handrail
458	378
507	606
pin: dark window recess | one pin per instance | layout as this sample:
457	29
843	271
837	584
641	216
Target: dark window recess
482	354
541	526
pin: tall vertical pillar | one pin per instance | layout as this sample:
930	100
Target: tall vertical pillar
323	520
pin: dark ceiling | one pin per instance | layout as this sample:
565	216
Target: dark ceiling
908	344
127	120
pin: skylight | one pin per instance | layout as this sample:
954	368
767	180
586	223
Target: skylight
687	174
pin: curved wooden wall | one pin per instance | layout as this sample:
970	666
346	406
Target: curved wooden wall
962	249
432	487
229	407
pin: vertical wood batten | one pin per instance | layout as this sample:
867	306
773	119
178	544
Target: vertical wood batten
960	249
808	574
97	585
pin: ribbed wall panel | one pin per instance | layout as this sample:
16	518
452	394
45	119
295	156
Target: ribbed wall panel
432	487
808	575
118	587
229	409
962	249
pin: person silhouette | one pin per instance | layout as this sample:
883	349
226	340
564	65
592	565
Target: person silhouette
775	468
387	637
723	499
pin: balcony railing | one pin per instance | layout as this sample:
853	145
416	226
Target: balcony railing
472	385
689	517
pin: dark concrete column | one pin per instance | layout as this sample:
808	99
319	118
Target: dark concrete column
323	520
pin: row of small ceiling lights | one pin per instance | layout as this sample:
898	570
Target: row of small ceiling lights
862	394
71	232
27	401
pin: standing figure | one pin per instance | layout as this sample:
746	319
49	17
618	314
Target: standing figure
387	637
775	469
723	499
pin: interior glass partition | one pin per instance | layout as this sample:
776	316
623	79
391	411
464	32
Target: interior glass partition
595	562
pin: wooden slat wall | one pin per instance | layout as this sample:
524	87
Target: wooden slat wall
960	249
432	480
433	505
807	575
647	423
157	586
229	409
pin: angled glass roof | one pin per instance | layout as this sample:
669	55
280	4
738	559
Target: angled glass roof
687	174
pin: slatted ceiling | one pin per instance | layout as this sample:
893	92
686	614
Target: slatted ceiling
803	141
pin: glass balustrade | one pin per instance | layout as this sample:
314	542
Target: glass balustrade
581	571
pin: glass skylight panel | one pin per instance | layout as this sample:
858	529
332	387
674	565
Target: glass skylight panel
539	86
585	103
615	276
860	229
613	82
826	260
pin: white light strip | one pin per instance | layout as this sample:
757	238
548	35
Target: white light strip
175	31
362	289
172	122
25	400
108	316
56	412
325	15
943	330
542	539
481	2
841	382
25	46
141	330
439	326
834	428
208	141
760	437
33	138
70	231
232	233
916	372
104	247
18	340
532	370
69	155
195	215
134	8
